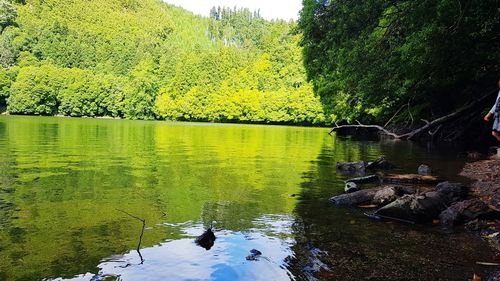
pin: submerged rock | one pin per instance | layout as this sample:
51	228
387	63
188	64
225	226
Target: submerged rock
360	167
424	170
314	264
104	277
254	255
351	167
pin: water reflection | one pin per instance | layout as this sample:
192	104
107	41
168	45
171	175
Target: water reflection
63	180
182	259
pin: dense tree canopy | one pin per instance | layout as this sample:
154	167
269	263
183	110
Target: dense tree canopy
149	60
368	59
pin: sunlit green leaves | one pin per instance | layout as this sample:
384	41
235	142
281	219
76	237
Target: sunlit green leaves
148	60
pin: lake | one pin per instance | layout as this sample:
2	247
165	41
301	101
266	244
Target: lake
72	192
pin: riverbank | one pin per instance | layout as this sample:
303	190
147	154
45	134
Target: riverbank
457	207
486	187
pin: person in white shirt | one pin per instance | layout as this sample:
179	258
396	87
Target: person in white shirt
495	113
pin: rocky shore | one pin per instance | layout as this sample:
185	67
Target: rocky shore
424	198
486	189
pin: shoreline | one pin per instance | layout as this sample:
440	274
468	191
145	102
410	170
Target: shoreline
238	122
486	187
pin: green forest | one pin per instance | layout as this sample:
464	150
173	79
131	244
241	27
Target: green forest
372	61
405	59
144	59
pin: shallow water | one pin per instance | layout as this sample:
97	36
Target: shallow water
65	182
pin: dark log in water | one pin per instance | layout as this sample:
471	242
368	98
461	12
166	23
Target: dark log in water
355	198
410	179
424	207
381	163
367	179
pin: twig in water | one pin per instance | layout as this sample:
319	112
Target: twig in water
376	216
142	232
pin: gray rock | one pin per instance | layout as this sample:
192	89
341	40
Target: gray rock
351	187
451	192
424	170
463	211
494	276
315	265
385	196
391	193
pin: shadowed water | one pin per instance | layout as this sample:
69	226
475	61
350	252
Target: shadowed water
64	183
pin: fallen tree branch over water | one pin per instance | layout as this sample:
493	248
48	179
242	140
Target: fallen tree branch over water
380	128
427	128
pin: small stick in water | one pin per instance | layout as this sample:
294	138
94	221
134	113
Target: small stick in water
142	232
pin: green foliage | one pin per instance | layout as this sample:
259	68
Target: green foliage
237	27
35	91
148	60
8	51
141	92
49	90
92	95
8	14
6	78
368	58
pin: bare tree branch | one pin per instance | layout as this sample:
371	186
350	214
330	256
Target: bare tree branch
426	128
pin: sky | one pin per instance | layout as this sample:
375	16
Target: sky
269	9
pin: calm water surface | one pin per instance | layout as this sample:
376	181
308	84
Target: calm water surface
64	184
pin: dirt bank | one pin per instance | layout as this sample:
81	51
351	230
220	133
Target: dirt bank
487	176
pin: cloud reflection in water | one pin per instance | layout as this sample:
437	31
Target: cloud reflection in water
182	259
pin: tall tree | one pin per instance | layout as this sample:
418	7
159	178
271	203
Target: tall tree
368	58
